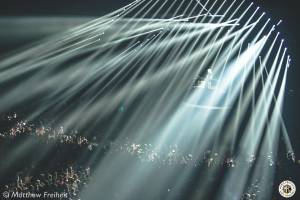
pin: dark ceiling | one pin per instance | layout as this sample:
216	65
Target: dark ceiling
287	10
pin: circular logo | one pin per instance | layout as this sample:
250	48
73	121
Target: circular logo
287	189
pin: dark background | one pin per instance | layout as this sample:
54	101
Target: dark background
287	10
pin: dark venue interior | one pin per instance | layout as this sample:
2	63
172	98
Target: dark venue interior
149	99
